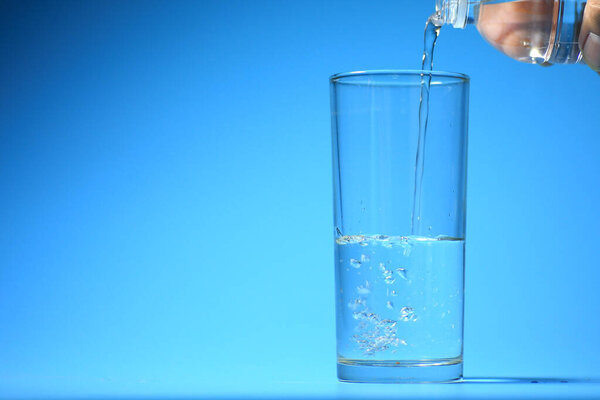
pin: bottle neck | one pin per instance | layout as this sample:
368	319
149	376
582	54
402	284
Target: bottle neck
451	12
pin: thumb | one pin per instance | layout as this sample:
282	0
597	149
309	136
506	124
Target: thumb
589	37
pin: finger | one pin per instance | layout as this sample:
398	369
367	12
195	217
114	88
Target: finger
589	37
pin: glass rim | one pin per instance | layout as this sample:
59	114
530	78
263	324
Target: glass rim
340	77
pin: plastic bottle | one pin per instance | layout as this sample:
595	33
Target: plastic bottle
531	31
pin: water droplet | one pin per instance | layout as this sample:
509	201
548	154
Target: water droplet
394	293
443	314
402	273
390	305
354	263
364	258
403	342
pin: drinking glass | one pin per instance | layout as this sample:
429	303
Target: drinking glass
399	173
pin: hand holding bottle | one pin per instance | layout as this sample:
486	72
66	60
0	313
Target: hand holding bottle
532	31
589	37
519	29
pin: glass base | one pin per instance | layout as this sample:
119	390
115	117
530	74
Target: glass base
421	371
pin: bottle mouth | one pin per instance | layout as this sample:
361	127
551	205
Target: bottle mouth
462	12
452	12
438	5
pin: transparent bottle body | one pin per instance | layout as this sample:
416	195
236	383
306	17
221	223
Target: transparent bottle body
531	31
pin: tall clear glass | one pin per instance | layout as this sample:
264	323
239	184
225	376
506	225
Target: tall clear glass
399	207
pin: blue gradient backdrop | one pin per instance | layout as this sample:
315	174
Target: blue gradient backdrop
166	219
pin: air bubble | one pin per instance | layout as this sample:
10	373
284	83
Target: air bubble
356	303
402	273
364	289
407	248
355	263
390	305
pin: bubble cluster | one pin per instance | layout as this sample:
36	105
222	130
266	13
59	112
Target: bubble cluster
375	334
388	275
352	239
407	314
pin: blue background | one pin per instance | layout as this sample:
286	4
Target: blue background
166	218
